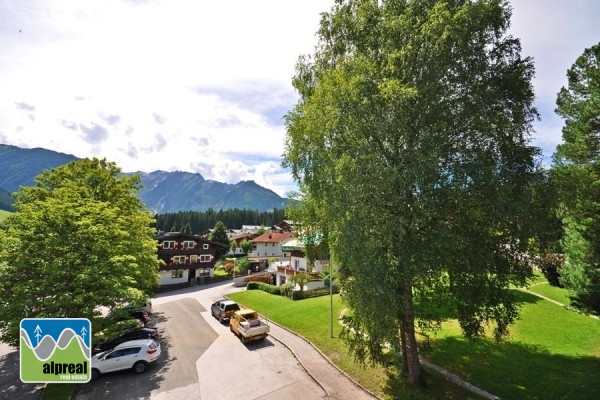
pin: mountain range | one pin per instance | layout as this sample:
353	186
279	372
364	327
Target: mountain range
163	192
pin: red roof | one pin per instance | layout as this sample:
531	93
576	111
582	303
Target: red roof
272	237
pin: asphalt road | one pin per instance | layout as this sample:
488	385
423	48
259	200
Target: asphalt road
202	360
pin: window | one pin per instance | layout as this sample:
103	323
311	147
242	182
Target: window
205	258
188	244
168	244
177	273
205	246
193	259
179	259
296	264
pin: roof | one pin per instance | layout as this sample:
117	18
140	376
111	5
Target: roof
272	237
294	244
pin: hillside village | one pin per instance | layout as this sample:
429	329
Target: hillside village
277	251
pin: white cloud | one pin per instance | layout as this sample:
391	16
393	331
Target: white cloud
202	86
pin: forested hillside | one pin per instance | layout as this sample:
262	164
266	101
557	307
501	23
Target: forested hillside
196	222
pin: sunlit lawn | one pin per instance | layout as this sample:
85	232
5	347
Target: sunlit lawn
552	353
552	292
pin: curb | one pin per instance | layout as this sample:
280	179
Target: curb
324	357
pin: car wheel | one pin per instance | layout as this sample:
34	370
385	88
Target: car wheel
95	374
140	367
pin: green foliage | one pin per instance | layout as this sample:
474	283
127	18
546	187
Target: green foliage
410	142
265	287
219	235
246	246
307	294
329	276
551	264
242	265
79	239
300	279
200	221
287	289
577	171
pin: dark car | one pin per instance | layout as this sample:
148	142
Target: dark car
131	334
121	314
223	309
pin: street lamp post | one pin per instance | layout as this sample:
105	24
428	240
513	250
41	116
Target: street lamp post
330	299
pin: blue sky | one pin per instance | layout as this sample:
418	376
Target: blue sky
202	86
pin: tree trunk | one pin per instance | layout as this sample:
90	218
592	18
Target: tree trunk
410	353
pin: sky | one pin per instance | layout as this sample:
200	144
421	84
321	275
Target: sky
202	86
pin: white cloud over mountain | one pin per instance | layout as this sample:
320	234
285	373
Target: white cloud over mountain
203	86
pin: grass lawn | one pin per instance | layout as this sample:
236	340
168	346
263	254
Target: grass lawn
551	292
553	353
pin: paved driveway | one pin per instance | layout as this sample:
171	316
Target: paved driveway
184	337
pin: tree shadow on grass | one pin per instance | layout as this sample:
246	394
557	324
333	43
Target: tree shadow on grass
518	371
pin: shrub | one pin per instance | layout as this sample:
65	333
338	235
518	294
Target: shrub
229	267
265	287
299	295
287	289
550	267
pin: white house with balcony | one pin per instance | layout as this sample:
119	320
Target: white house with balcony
268	248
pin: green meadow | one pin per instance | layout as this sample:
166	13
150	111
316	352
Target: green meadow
552	352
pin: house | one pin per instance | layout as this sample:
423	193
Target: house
297	263
237	236
268	247
185	257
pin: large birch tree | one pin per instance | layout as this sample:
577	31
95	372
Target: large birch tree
411	142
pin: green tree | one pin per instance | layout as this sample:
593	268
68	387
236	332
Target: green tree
577	169
219	235
80	238
300	279
246	246
410	141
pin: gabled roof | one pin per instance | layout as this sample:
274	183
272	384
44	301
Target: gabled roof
272	237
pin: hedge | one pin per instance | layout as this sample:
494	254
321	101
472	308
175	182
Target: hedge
299	295
265	287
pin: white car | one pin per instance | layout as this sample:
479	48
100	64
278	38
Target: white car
135	354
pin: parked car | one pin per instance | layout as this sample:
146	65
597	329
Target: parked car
135	354
122	314
125	336
223	309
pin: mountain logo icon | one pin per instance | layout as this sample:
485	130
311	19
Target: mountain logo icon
55	350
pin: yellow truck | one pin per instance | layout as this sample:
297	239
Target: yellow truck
248	325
